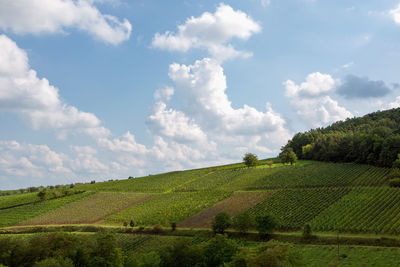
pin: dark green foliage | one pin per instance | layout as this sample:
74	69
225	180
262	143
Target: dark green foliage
307	231
173	226
395	182
396	163
243	222
373	139
219	250
221	222
265	223
180	253
250	160
55	262
271	254
287	155
42	195
150	259
131	223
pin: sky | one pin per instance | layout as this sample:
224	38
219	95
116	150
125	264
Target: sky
107	89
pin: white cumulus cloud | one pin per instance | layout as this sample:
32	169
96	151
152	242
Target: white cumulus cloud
55	16
311	102
212	32
34	99
395	13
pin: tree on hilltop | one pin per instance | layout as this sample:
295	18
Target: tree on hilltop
288	156
250	160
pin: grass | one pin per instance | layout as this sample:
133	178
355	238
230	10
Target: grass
88	210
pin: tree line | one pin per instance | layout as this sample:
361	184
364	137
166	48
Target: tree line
372	139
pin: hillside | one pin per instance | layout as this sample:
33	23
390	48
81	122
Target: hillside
372	139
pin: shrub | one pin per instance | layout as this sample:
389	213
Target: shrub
157	229
307	231
221	222
243	222
125	224
131	223
173	226
265	224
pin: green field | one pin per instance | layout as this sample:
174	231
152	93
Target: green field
22	213
168	207
16	200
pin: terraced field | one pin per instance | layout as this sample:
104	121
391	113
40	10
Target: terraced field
168	207
375	209
90	209
22	213
17	200
295	207
233	205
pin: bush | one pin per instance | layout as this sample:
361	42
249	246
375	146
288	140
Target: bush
221	222
307	231
250	160
395	182
173	226
131	223
265	224
243	222
157	229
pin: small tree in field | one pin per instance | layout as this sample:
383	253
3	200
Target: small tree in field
42	195
243	222
288	156
132	223
250	160
307	233
270	163
265	224
221	222
173	226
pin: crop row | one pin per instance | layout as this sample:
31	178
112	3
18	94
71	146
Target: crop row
88	210
152	183
19	214
233	205
372	209
166	208
294	207
20	199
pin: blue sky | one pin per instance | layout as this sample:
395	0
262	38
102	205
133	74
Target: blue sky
106	89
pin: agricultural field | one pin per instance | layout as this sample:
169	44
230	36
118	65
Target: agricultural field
294	207
233	205
316	256
20	214
365	209
17	200
166	208
148	184
90	209
312	175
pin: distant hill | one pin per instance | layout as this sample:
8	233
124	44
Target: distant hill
373	139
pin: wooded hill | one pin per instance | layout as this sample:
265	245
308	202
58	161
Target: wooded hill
372	139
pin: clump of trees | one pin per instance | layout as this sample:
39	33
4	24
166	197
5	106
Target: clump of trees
288	156
265	224
372	139
250	160
221	222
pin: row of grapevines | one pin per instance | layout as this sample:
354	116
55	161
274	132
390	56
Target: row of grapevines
294	207
371	209
373	176
19	214
152	183
168	207
20	199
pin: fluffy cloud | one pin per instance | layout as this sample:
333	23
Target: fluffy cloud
394	104
174	125
395	13
211	32
33	98
316	84
203	86
164	94
54	16
362	87
311	102
125	143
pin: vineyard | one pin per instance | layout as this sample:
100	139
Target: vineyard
294	207
95	207
166	208
374	209
20	214
17	200
233	205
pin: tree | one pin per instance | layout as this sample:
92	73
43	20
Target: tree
243	222
265	224
307	231
221	222
288	156
42	195
132	223
219	250
250	160
173	226
270	163
396	163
